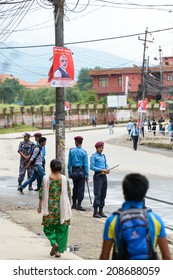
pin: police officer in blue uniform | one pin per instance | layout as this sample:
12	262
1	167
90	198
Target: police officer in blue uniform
78	165
99	165
25	151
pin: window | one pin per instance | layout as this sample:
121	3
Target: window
120	81
103	82
169	77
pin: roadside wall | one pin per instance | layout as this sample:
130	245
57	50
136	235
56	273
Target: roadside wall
79	115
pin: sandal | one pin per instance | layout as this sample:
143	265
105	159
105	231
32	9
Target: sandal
54	250
57	255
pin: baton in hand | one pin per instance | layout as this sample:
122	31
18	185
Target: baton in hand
89	192
108	169
113	167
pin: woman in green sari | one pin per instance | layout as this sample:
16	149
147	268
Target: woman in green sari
55	205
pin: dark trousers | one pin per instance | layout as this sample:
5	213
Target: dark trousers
78	190
39	179
142	129
100	190
135	142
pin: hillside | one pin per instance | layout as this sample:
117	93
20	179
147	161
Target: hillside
33	64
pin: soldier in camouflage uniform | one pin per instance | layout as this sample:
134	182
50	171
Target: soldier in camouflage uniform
25	150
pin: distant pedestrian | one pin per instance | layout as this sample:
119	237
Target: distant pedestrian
149	123
160	121
142	127
163	127
169	128
36	161
37	136
100	167
134	232
25	150
78	172
93	121
111	126
53	124
129	126
134	134
154	124
54	203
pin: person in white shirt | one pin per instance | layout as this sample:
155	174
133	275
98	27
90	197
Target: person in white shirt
134	134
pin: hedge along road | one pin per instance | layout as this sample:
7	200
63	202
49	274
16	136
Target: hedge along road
155	164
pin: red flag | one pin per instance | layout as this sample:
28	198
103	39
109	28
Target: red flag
50	74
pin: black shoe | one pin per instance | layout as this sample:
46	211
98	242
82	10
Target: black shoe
80	208
36	189
21	190
74	206
103	215
30	188
96	215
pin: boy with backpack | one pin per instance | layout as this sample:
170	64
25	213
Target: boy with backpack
134	231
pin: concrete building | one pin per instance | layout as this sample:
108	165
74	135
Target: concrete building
157	81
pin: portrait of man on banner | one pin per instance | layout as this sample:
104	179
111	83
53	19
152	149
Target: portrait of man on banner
63	68
142	105
66	105
162	105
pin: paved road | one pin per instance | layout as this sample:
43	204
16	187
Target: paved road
155	164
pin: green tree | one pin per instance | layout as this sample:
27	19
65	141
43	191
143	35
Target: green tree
11	91
73	95
84	78
41	96
88	97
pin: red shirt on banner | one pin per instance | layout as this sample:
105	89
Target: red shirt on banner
62	72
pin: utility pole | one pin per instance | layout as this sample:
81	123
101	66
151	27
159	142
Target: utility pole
59	110
143	71
160	58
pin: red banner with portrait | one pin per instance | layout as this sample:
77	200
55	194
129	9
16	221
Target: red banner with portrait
142	105
67	106
61	73
162	105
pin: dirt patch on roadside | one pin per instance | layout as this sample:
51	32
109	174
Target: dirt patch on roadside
84	231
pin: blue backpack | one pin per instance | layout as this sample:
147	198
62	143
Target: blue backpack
134	235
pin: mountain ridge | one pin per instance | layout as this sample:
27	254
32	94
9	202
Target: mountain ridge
33	64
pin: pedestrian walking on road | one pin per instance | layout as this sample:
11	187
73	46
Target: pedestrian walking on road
129	126
37	136
93	121
134	134
142	128
78	172
54	203
154	124
110	126
25	150
149	123
36	161
100	167
134	231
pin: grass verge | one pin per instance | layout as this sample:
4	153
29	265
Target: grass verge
18	128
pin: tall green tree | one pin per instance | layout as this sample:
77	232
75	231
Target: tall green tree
11	91
84	79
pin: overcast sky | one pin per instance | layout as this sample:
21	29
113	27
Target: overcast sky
95	19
